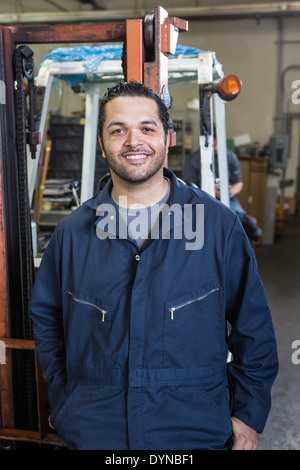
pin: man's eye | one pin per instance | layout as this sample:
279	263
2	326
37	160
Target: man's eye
148	129
116	131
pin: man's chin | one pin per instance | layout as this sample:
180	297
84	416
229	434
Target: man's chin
136	178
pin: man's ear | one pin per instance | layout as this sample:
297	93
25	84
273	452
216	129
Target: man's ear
169	142
100	143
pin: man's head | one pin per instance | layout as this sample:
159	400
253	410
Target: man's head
132	88
133	132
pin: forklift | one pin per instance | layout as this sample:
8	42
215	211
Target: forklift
147	43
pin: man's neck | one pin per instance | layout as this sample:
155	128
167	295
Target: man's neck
135	194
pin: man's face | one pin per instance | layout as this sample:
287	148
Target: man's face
134	141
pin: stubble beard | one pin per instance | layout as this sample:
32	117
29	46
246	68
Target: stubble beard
136	175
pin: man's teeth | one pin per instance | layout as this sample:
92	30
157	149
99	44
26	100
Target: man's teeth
135	157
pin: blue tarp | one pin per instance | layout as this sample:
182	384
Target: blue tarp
91	56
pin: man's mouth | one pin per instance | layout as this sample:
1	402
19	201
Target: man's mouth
137	156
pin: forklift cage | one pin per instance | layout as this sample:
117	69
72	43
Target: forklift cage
148	44
153	73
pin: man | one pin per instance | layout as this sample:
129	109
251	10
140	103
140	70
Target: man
191	174
191	171
131	327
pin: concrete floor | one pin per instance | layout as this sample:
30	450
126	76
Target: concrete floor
279	267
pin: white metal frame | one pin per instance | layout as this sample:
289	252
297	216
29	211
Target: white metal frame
109	71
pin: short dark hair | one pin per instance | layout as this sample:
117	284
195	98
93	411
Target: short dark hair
132	88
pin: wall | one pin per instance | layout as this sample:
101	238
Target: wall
246	49
249	49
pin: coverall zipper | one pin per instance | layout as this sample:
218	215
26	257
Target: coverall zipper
177	307
104	312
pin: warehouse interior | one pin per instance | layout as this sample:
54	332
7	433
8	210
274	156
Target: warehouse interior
257	42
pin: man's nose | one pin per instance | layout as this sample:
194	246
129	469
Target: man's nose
133	137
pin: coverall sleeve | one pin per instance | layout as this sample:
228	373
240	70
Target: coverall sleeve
251	341
46	312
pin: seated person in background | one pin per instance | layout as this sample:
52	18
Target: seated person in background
191	175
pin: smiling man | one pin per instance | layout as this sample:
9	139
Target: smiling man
134	139
132	329
137	146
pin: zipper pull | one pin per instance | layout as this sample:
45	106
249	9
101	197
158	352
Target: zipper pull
103	314
172	313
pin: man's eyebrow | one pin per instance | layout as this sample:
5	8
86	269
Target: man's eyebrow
149	121
115	123
120	123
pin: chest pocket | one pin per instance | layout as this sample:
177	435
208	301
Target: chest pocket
87	326
194	329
